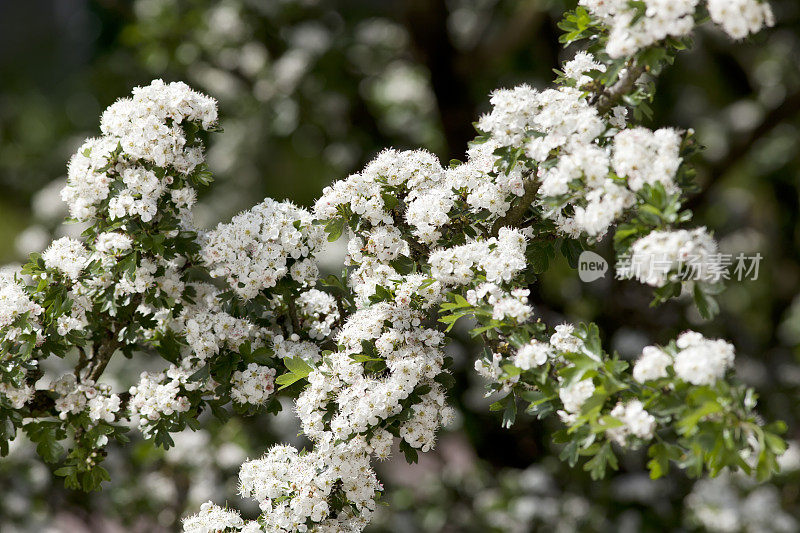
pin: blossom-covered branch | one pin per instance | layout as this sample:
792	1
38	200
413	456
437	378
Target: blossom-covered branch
240	310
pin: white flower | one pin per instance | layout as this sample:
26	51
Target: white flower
17	396
631	29
15	302
636	421
564	339
702	361
647	157
577	67
533	354
104	407
292	488
212	519
158	395
574	395
652	364
739	18
501	258
260	246
664	256
254	385
112	243
66	255
147	128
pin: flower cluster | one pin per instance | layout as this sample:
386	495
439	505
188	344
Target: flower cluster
109	245
208	330
476	185
294	347
541	121
148	126
213	518
576	69
652	364
361	193
533	354
294	488
664	256
573	395
158	395
499	259
564	339
253	385
146	138
634	26
18	313
504	305
702	361
317	313
596	204
67	256
74	397
740	18
260	246
696	360
17	396
635	421
586	182
412	357
648	157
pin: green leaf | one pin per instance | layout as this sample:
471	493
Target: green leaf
334	229
706	303
92	479
570	453
382	294
202	374
297	365
403	265
411	454
661	454
46	435
603	460
539	255
298	369
510	413
446	379
389	200
571	250
688	424
70	475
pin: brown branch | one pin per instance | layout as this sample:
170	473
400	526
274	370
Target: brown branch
83	360
611	95
292	308
102	356
516	214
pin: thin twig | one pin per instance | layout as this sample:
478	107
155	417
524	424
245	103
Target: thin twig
613	94
290	305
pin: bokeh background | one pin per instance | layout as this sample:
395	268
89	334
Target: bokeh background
309	91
